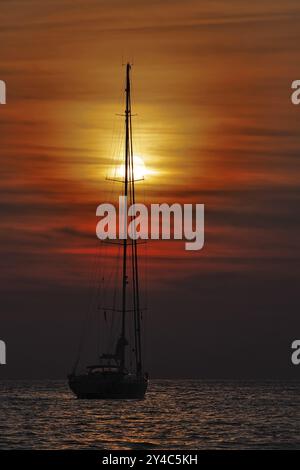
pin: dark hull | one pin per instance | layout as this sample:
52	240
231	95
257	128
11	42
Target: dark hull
108	388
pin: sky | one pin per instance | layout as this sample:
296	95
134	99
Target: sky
214	125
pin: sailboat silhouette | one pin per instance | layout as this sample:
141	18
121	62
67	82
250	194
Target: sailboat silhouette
111	377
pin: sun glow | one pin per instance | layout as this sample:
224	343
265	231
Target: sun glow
139	168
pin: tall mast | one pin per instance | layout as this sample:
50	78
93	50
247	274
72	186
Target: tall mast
129	190
124	276
135	273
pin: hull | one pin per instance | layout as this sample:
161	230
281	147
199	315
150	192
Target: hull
94	386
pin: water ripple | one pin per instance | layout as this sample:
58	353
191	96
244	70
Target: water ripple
190	414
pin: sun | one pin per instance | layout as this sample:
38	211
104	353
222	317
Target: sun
139	168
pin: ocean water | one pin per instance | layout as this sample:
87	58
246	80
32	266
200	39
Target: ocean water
176	414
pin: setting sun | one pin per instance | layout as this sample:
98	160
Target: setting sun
140	170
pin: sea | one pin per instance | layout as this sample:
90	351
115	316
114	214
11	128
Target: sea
176	414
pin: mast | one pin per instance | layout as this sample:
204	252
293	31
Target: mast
124	275
135	274
129	188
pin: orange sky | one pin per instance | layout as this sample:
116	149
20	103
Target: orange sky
211	89
214	121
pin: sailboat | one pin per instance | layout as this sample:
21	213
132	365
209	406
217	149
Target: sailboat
111	377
